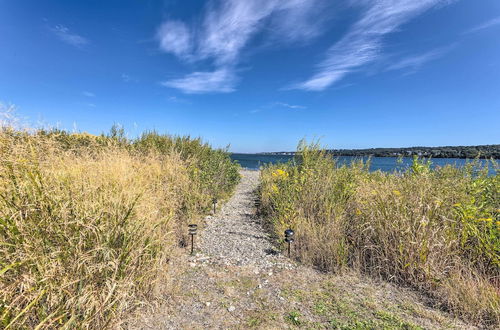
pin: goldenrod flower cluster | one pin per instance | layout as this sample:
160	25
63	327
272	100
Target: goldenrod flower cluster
279	173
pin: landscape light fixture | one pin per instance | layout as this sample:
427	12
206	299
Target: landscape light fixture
257	202
214	201
289	239
192	231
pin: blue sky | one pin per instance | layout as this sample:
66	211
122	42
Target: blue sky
258	74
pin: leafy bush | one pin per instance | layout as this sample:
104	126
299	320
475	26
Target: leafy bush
88	223
437	230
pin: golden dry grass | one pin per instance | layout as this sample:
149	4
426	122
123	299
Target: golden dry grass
87	224
436	230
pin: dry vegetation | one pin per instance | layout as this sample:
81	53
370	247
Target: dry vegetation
87	222
435	230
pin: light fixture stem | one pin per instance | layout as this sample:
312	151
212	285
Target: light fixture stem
192	244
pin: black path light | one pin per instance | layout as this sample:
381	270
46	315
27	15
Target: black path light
289	239
192	231
214	201
257	202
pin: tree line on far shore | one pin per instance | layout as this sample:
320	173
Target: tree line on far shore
484	151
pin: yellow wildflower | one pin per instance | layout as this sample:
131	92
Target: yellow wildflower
358	212
279	173
396	192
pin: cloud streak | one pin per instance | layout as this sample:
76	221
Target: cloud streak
279	105
226	29
66	36
363	43
415	62
221	81
176	99
289	106
486	25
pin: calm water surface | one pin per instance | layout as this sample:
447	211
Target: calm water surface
386	164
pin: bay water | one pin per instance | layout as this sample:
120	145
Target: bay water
386	164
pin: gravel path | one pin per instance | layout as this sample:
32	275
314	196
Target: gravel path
235	236
237	279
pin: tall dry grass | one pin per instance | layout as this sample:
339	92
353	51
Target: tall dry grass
88	223
437	230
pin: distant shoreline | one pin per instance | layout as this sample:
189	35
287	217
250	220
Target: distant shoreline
463	152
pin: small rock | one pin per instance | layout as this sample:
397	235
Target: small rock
207	303
231	309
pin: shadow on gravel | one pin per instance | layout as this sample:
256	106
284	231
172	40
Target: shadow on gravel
271	252
247	235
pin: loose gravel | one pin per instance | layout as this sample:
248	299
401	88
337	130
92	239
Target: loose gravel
235	235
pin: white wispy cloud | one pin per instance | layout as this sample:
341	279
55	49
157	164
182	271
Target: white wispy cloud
88	94
174	37
290	106
226	29
486	25
219	81
299	20
73	39
414	62
364	41
278	105
176	99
